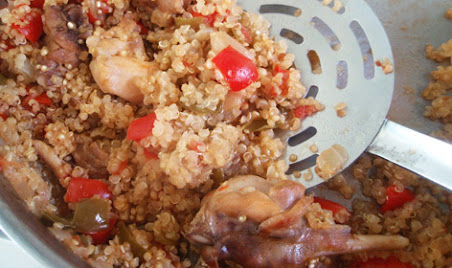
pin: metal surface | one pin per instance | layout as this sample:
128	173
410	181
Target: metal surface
24	228
410	24
415	151
357	38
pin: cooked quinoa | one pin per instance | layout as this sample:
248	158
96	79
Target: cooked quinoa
70	96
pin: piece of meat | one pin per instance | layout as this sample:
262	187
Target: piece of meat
62	39
256	223
169	6
64	25
89	155
50	157
118	64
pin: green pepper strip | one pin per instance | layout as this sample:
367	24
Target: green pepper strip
126	236
256	125
91	215
2	80
203	111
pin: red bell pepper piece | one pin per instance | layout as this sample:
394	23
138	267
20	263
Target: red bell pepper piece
122	166
150	155
395	199
143	29
37	3
81	188
91	17
390	262
304	111
141	127
238	70
7	45
32	28
208	19
42	99
329	205
101	237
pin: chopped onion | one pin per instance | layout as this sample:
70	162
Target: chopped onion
221	40
331	161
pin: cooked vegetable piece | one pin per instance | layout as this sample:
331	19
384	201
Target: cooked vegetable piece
141	127
143	29
340	213
329	205
41	99
149	154
395	199
208	19
284	85
101	237
305	111
55	218
221	40
37	3
123	165
390	262
32	28
204	111
82	188
193	22
2	80
91	17
126	236
91	215
238	70
256	125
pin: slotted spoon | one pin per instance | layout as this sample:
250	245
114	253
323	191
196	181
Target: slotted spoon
348	39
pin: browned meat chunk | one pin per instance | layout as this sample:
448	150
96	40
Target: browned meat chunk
64	25
89	155
114	72
61	37
48	154
161	12
256	223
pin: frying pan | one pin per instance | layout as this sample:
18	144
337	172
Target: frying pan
410	24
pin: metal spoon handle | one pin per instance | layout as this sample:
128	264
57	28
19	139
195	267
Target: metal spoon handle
422	154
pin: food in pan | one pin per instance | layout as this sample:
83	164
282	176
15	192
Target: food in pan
144	134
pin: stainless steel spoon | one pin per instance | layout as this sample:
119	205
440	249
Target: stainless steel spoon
348	40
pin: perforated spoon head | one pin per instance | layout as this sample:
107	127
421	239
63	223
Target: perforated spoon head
348	40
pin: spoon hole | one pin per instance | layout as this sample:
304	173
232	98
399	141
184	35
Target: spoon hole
366	49
335	5
281	9
314	60
312	92
327	33
303	164
302	136
292	36
342	75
